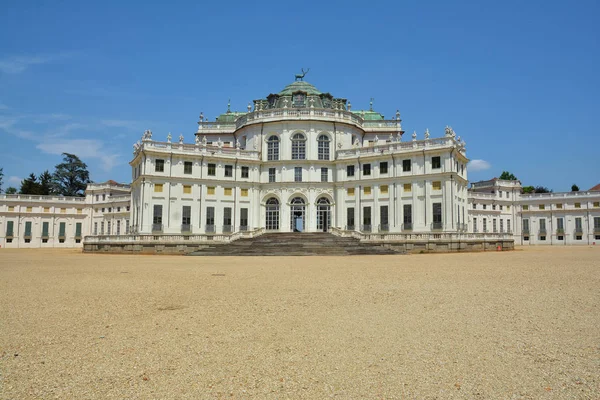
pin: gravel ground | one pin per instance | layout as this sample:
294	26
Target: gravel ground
510	325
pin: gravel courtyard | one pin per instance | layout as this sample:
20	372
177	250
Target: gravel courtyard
497	325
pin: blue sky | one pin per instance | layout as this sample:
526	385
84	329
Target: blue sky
517	80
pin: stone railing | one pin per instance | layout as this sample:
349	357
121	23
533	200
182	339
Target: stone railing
30	197
481	196
118	186
492	183
403	237
560	195
201	149
397	147
159	238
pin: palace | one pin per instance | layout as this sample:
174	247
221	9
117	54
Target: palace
301	160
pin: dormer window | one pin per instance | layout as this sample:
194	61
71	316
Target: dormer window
298	100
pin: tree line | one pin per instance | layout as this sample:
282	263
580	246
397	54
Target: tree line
70	178
507	176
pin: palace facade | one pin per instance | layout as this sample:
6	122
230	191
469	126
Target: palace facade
300	160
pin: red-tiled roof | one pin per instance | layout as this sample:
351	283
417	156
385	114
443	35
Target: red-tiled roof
595	188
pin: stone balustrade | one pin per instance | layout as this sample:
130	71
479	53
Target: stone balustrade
200	149
397	147
38	198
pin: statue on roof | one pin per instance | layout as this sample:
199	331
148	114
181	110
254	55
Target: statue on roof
302	75
180	139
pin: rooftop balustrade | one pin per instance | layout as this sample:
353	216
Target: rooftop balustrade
46	199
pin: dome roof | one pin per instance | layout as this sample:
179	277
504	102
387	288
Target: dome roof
299	86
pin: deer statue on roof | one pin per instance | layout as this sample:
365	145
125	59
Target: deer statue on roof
302	75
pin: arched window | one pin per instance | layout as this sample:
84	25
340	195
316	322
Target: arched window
323	147
323	214
297	214
272	214
273	148
298	147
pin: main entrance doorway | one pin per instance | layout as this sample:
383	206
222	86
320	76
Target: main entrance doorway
323	214
297	214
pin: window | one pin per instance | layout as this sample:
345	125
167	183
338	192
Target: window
158	167
28	229
350	191
272	172
406	165
437	185
245	172
273	148
484	225
542	226
227	219
243	219
500	207
367	190
525	207
323	148
45	229
499	193
157	216
578	225
187	189
46	209
95	228
596	204
350	218
298	147
383	218
560	225
127	227
102	228
227	191
30	209
407	217
501	225
526	226
11	208
97	197
437	215
104	195
228	171
366	169
127	208
494	226
367	218
383	189
62	231
475	225
210	190
298	174
158	188
577	205
244	192
210	219
109	210
324	174
383	167
187	167
596	224
559	206
154	190
507	208
108	226
508	225
212	169
407	187
349	170
118	227
474	206
272	214
436	162
493	206
542	206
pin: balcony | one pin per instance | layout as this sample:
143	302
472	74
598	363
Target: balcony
157	228
437	226
384	228
366	228
407	226
560	231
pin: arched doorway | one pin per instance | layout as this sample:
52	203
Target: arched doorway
297	214
272	214
323	214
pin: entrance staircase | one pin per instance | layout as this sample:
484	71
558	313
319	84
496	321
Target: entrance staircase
294	244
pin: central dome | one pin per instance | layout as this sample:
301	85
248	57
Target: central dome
299	86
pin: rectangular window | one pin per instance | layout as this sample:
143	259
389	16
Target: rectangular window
407	187
578	225
383	167
560	225
383	189
245	172
525	207
210	216
187	167
508	225
45	229
484	225
596	224
227	217
157	215
350	191
108	226
493	206
29	209
127	227
475	225
367	218
243	219
298	174
526	226
596	204
102	228
228	171
324	174
577	205
210	190
501	225
212	169
78	230
437	215
407	217
244	192
95	228
158	167
494	226
349	170
158	188
559	206
350	218
542	206
383	218
436	162
186	216
28	228
366	169
542	226
437	185
11	208
62	230
118	227
227	191
367	190
187	189
406	165
46	209
474	206
272	173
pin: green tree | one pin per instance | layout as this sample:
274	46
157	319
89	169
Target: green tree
528	189
11	190
70	177
574	188
45	181
507	176
30	185
542	189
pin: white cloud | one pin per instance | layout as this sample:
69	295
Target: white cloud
83	148
3	107
478	165
18	64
